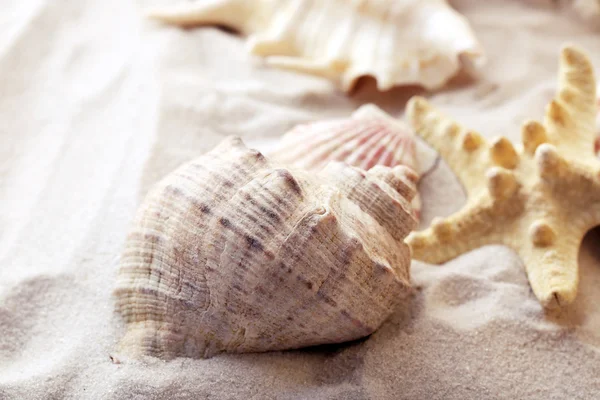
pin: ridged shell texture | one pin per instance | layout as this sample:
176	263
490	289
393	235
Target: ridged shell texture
368	138
233	253
398	42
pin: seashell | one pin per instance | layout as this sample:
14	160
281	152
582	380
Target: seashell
398	42
368	138
235	253
539	198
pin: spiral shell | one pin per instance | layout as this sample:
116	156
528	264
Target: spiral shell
234	253
368	138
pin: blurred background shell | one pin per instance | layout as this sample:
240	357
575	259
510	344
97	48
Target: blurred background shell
233	253
368	138
397	42
589	11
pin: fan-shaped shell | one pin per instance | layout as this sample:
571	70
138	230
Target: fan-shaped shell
368	138
398	42
233	253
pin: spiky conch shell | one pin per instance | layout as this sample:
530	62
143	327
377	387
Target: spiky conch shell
233	253
368	138
398	42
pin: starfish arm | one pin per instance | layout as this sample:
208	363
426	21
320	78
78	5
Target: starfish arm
466	152
470	228
570	119
563	176
211	12
551	261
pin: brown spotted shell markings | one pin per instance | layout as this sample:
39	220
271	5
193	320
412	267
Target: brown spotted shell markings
232	253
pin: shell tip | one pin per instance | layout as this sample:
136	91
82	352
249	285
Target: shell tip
369	111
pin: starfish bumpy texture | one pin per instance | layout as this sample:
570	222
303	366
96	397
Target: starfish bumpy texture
539	198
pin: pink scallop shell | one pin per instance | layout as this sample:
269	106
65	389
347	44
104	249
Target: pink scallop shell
369	137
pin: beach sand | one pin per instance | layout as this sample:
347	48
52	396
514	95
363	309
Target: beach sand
97	104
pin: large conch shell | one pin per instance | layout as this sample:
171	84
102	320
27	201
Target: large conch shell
539	198
398	42
368	138
232	253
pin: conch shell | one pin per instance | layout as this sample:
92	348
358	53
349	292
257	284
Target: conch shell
368	138
398	42
233	253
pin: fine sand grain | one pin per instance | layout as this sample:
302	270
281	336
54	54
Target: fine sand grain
96	104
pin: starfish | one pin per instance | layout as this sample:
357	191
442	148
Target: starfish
538	198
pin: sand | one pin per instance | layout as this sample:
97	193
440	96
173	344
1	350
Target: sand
97	104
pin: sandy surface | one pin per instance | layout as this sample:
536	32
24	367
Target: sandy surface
97	104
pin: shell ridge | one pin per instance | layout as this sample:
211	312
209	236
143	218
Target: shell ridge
313	211
229	243
231	253
256	167
365	140
322	291
273	176
319	213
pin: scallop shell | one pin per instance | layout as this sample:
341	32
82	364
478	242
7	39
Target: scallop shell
368	138
235	253
398	42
